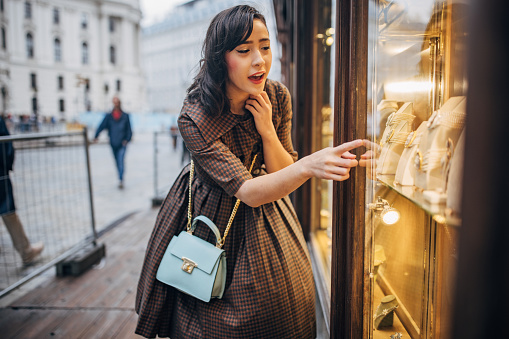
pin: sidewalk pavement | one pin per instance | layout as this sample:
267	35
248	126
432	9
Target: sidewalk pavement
110	202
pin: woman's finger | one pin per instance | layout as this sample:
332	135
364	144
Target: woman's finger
368	155
338	174
258	98
265	97
348	155
253	103
348	146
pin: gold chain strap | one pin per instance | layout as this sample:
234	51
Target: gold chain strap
189	214
235	208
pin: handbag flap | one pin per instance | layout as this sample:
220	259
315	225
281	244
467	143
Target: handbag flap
201	252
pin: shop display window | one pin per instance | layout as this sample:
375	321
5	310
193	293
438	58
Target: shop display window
416	115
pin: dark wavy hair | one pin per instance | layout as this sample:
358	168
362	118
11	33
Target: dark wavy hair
228	29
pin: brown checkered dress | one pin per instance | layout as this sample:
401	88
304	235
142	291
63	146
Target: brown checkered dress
269	286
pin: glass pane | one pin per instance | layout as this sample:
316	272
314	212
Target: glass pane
416	113
323	137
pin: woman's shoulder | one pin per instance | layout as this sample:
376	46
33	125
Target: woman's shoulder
193	115
191	108
195	111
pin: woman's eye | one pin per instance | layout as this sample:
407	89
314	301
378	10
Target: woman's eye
242	51
266	48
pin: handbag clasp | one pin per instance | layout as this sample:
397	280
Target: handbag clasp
188	265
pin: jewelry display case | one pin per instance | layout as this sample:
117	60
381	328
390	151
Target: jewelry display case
384	243
416	97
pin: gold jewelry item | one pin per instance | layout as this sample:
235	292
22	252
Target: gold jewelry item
418	160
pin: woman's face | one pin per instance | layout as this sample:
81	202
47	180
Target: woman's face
249	64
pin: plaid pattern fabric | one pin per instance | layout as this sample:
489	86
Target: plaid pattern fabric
269	286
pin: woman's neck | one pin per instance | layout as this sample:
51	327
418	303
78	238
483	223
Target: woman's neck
238	103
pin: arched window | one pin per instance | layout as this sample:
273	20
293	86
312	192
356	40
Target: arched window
58	50
56	16
30	45
60	81
113	58
35	106
84	53
33	81
84	20
4	39
4	98
28	10
112	24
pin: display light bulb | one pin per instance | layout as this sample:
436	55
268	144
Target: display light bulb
390	216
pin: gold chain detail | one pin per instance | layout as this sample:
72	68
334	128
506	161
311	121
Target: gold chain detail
235	208
189	214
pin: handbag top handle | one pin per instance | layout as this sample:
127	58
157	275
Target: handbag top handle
220	243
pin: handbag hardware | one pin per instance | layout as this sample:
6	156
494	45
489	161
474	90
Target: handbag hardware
188	265
193	265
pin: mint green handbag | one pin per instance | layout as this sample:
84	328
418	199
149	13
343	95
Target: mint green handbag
193	265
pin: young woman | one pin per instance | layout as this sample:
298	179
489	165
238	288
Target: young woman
233	112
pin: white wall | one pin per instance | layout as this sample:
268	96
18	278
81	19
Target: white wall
99	70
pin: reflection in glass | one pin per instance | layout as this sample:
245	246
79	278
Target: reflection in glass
416	95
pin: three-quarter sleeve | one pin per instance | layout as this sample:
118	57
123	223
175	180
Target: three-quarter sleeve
214	157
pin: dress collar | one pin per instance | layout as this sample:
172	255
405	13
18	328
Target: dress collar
211	127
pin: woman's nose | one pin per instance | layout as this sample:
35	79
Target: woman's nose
258	58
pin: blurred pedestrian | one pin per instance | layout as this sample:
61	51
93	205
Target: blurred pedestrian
119	130
234	118
174	133
10	218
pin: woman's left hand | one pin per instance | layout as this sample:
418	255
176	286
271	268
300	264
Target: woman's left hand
261	108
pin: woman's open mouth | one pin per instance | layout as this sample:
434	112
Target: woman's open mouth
257	78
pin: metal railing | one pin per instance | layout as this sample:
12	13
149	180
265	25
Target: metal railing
52	190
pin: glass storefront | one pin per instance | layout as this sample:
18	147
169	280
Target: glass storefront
416	116
383	244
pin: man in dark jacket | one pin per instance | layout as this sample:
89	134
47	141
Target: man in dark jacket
10	218
119	130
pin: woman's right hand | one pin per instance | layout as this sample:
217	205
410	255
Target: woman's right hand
332	163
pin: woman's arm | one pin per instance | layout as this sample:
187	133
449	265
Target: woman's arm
332	163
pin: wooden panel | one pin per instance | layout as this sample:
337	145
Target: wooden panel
12	320
77	322
109	324
127	331
447	240
40	323
349	276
